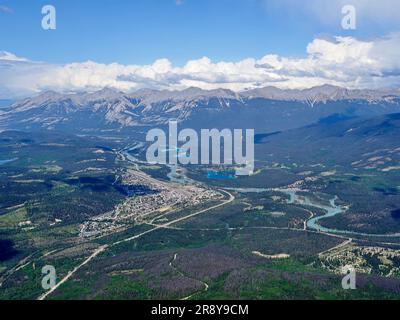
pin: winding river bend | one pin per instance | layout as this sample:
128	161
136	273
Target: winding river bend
332	210
313	224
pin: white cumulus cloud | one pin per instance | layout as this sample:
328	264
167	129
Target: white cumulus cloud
343	61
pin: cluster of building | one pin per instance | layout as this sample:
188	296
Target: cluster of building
163	199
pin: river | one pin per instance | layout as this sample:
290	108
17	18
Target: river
7	161
313	224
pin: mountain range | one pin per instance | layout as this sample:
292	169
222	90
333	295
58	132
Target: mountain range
266	109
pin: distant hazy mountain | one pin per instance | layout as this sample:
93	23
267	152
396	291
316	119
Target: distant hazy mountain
266	109
322	94
372	143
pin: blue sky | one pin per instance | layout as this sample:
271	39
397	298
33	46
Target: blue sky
141	31
174	44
